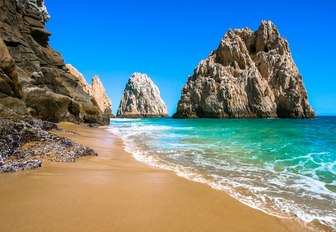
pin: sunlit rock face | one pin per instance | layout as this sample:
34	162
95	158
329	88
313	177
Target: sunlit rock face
141	98
250	74
97	92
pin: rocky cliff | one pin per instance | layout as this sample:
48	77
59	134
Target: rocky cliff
251	74
82	81
97	92
99	95
34	79
36	85
141	98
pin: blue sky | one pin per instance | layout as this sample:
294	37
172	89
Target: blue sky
167	39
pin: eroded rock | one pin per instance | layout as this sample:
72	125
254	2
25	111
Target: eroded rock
34	73
251	74
97	91
141	98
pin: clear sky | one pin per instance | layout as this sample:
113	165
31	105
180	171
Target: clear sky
167	39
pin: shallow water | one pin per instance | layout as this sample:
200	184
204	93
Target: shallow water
281	166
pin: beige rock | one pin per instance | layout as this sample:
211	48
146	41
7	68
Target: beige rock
96	91
251	74
82	82
100	96
141	98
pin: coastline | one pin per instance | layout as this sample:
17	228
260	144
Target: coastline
115	192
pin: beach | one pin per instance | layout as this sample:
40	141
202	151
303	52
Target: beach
114	192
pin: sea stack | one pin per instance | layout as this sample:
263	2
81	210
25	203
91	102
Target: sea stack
35	80
141	99
250	75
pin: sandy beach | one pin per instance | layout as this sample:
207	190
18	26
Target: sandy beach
114	192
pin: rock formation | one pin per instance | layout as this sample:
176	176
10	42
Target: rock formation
251	74
36	79
99	95
82	82
141	98
35	5
96	91
36	85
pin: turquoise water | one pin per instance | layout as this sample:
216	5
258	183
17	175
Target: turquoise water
281	166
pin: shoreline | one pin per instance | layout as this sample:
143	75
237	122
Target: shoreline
113	191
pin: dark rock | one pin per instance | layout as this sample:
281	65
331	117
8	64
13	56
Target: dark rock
34	73
19	166
22	141
33	22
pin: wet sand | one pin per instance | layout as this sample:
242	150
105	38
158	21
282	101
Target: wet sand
114	192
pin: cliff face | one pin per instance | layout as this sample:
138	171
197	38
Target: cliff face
35	84
96	91
37	80
251	74
99	95
141	98
82	82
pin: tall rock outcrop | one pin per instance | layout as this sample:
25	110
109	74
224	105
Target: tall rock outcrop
99	95
82	82
251	74
141	98
37	80
97	91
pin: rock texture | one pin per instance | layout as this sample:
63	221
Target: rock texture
25	144
82	82
99	95
35	5
251	74
36	85
141	98
97	91
33	77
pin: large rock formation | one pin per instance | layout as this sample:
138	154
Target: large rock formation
34	79
96	90
35	84
251	74
141	98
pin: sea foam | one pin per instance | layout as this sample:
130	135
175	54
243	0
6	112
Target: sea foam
282	175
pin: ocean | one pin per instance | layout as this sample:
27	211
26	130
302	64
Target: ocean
284	167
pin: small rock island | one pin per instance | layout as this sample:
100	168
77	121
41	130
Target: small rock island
141	99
